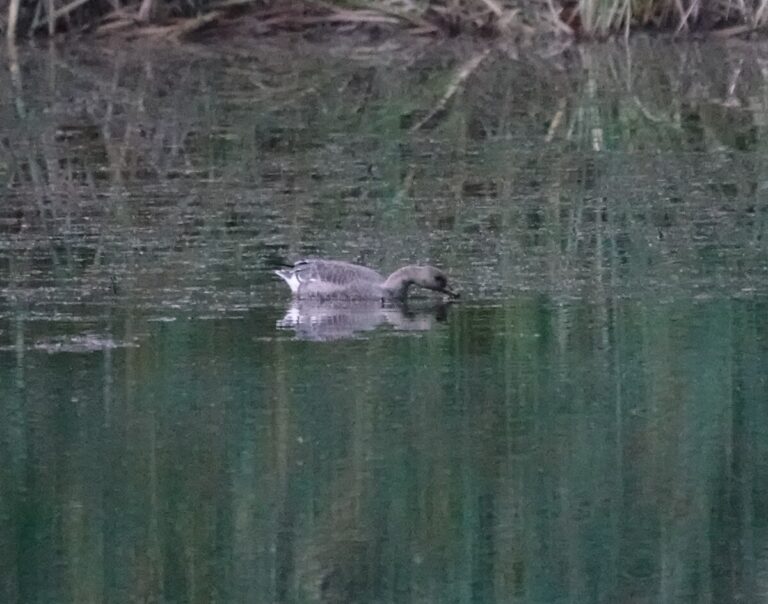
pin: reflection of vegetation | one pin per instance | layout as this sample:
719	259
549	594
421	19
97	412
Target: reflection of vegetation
615	168
536	450
587	442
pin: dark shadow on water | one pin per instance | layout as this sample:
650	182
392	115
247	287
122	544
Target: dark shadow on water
337	320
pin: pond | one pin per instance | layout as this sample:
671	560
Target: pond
589	423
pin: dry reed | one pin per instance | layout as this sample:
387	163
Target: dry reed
510	19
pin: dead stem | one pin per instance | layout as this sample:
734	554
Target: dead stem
51	18
13	19
461	76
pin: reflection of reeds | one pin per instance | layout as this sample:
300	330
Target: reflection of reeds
249	173
611	446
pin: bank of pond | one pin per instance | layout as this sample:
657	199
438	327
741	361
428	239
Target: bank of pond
518	21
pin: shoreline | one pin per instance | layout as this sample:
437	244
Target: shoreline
567	21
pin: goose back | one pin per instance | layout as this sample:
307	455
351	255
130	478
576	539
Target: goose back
332	279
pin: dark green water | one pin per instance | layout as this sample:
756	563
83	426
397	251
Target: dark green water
589	424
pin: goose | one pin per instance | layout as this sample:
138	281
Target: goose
338	280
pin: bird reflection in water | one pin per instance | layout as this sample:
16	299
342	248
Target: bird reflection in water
336	320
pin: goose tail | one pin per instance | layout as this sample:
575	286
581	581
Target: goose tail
289	276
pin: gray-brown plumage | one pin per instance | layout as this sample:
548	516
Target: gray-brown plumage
337	280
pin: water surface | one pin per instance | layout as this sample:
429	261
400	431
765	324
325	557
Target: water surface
587	425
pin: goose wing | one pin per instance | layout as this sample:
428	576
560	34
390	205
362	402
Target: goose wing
334	272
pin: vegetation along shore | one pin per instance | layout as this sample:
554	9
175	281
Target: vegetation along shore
511	19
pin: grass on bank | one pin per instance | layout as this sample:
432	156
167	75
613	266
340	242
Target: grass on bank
509	18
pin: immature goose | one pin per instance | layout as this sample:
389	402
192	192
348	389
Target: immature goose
337	280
